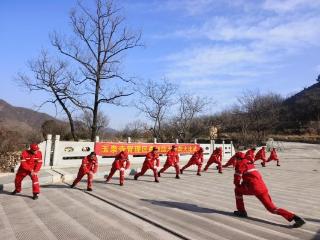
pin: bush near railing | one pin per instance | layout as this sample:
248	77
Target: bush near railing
8	161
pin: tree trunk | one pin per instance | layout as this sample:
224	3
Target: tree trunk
72	129
95	111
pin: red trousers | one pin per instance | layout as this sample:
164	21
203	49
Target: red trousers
21	174
211	162
112	172
190	163
262	159
143	171
80	176
273	159
264	198
167	165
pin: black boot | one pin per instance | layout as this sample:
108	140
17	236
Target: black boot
14	192
177	177
135	177
72	185
156	180
199	174
159	174
35	196
89	189
181	171
298	221
240	214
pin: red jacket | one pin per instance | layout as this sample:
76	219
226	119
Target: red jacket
152	159
273	155
261	154
250	155
250	176
197	158
121	161
172	157
31	162
216	156
232	160
89	164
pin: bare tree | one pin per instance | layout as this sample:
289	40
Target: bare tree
102	122
55	128
99	42
136	129
155	100
259	113
189	108
51	76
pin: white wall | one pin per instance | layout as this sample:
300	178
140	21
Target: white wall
70	154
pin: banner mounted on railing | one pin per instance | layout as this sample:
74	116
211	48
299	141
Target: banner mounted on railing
111	148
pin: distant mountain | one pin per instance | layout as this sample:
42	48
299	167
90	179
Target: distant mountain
310	92
302	108
17	118
27	120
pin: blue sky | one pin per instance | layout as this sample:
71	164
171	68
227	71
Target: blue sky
212	48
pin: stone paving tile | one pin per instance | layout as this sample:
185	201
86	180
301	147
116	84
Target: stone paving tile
192	207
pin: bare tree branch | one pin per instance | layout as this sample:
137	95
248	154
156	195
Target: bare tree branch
155	100
99	40
50	76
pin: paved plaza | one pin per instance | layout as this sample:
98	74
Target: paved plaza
193	207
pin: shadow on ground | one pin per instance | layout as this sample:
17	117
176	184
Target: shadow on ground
56	186
195	208
317	236
4	192
312	220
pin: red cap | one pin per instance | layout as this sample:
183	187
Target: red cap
201	149
240	155
154	148
34	147
174	146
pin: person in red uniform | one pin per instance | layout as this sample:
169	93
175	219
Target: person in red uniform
261	154
216	157
196	159
172	161
121	163
88	167
253	184
250	154
231	161
30	165
151	162
274	157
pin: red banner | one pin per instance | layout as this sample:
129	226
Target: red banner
111	148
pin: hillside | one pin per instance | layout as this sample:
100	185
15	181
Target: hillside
24	120
21	118
305	96
302	108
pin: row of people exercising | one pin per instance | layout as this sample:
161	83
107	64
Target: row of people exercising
247	179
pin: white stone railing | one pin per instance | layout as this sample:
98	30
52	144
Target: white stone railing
69	153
